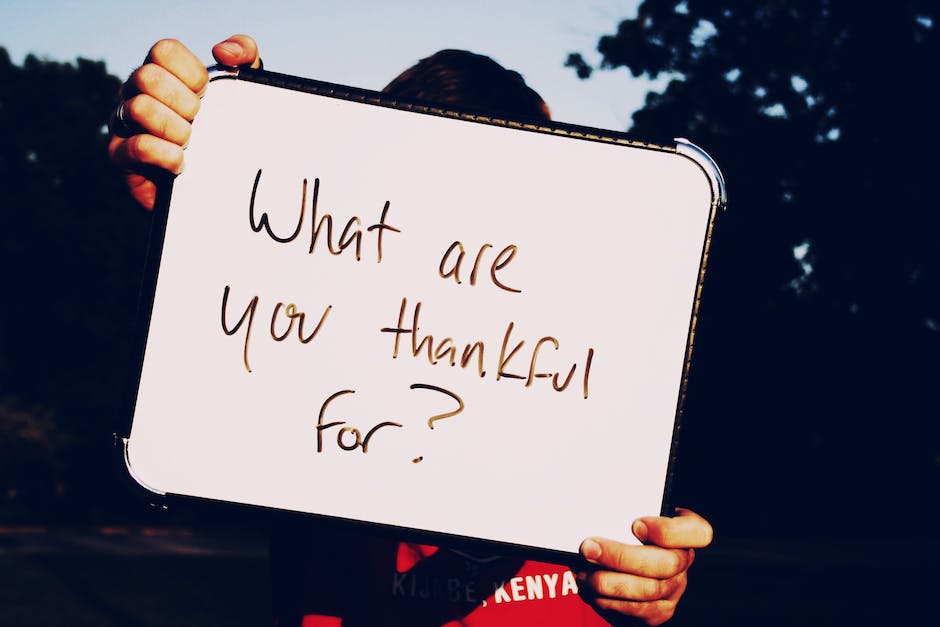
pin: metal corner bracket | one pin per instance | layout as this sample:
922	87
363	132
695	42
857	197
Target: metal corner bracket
124	442
218	72
689	150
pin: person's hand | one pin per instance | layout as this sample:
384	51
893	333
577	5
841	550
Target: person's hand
644	582
151	124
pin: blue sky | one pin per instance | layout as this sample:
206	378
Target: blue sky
364	43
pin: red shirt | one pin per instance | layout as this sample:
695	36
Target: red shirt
353	581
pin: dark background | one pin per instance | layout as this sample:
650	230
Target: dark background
810	430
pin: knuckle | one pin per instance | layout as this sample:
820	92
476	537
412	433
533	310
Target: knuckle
666	608
140	108
164	50
681	582
663	563
190	107
182	101
662	611
175	101
201	79
652	589
149	77
671	586
627	560
137	148
163	87
186	134
618	589
163	127
661	588
674	563
175	160
641	565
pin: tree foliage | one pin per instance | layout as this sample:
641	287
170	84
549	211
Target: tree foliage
817	350
71	249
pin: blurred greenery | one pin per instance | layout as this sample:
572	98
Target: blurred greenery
72	247
813	381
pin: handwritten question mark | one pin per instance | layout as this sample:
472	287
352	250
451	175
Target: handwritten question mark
450	414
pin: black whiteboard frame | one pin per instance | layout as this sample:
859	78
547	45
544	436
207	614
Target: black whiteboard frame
162	500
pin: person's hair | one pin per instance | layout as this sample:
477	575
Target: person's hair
466	79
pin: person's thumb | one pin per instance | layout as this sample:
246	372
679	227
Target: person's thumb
237	50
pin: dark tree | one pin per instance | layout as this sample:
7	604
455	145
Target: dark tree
817	354
71	249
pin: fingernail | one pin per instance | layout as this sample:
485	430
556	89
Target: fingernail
231	47
640	530
590	549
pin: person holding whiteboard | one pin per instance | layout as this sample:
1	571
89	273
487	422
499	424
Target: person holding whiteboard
345	577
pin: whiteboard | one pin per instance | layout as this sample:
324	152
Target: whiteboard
428	319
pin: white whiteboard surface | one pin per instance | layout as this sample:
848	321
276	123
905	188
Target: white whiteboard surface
609	244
